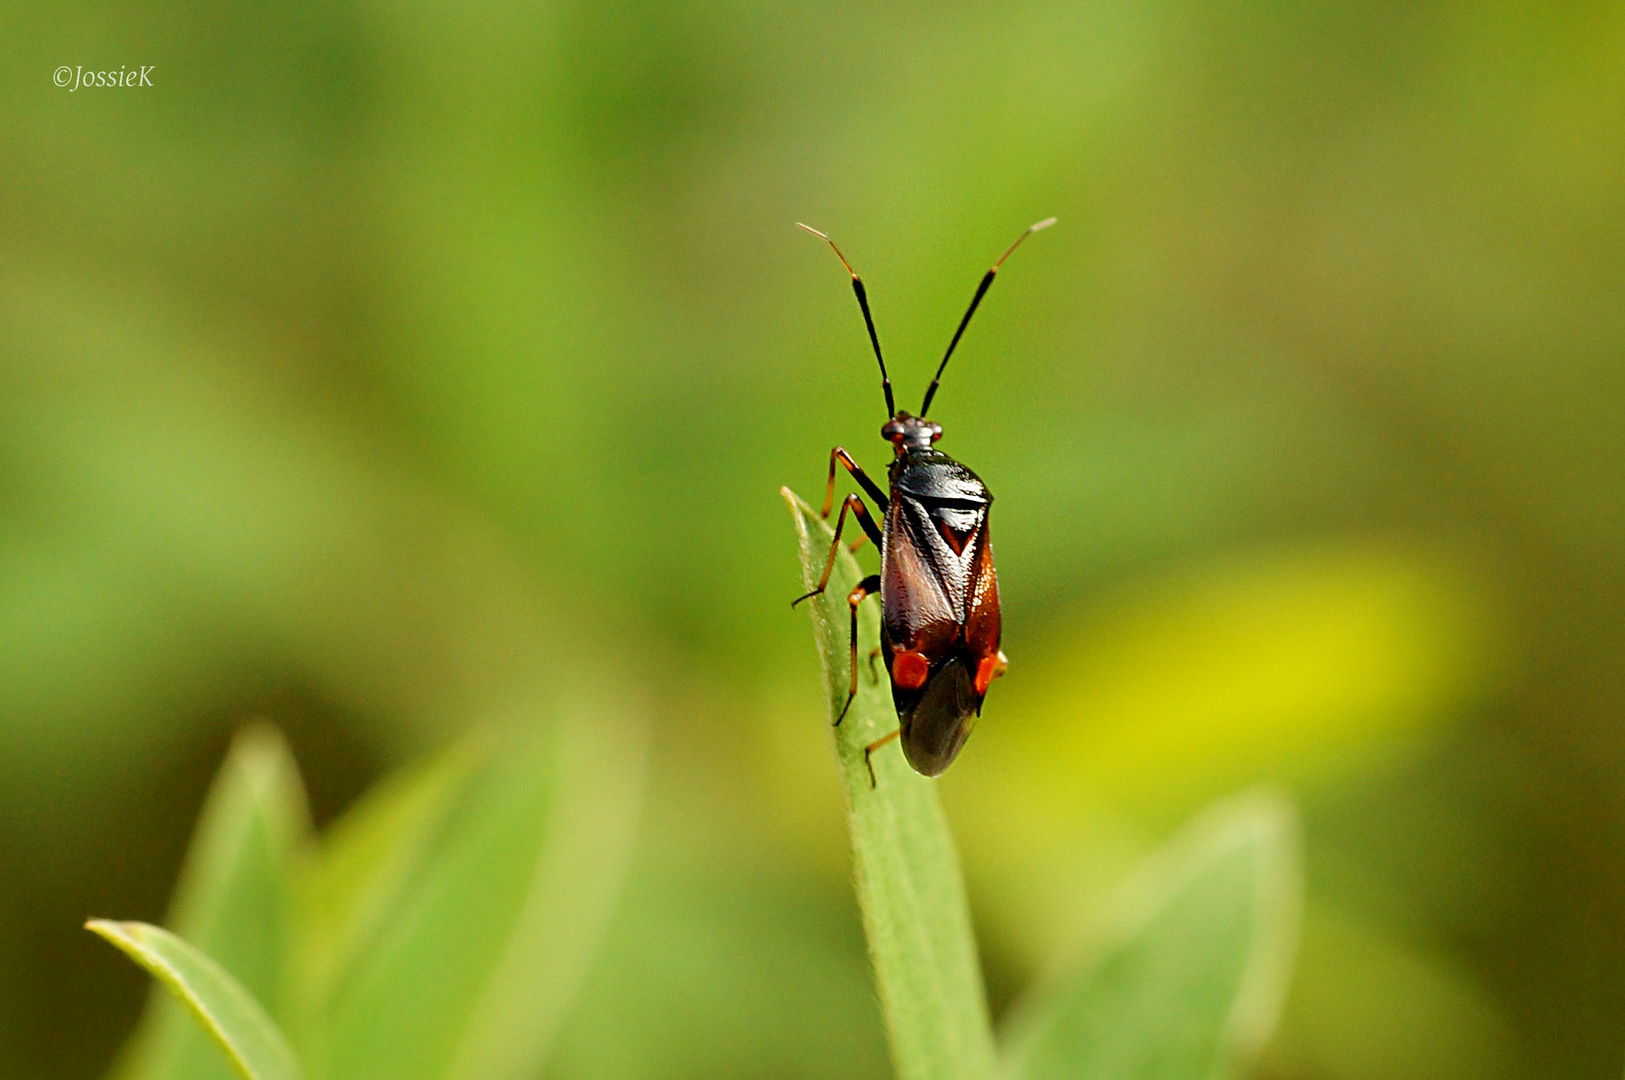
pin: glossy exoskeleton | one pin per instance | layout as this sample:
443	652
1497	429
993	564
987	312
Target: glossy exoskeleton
939	592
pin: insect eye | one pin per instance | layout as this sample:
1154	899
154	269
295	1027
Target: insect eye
891	430
936	432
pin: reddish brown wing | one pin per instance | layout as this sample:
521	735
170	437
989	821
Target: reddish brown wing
922	580
983	624
940	605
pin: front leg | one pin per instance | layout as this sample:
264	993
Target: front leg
868	485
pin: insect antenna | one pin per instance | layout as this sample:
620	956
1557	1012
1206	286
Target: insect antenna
868	320
981	291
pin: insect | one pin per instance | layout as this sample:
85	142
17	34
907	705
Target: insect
939	592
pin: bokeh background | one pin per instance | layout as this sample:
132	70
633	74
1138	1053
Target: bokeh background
388	368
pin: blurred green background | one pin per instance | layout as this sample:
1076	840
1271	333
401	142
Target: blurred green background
384	369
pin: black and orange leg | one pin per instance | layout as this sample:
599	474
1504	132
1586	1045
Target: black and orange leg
868	585
855	505
869	486
871	748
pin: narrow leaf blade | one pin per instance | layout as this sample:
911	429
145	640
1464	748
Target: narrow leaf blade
369	859
232	901
1196	964
908	877
247	1036
573	891
475	962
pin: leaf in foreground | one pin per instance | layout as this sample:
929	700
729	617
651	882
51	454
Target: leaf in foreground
1190	983
232	902
908	878
467	950
368	859
247	1036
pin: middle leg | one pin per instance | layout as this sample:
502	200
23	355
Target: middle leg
870	584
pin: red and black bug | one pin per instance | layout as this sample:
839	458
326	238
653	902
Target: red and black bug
939	592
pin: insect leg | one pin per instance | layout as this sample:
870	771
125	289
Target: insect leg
871	748
868	485
870	584
854	504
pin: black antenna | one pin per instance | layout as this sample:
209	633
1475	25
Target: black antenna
868	320
981	290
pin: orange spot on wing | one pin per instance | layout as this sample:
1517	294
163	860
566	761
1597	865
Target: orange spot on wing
909	670
989	669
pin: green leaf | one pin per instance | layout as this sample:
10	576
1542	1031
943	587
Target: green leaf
368	859
469	972
232	901
249	1038
1198	955
909	884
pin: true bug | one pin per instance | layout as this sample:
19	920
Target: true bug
939	592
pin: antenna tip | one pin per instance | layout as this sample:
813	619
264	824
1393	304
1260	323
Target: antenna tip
815	232
1046	223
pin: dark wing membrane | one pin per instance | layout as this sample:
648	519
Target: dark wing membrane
939	723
